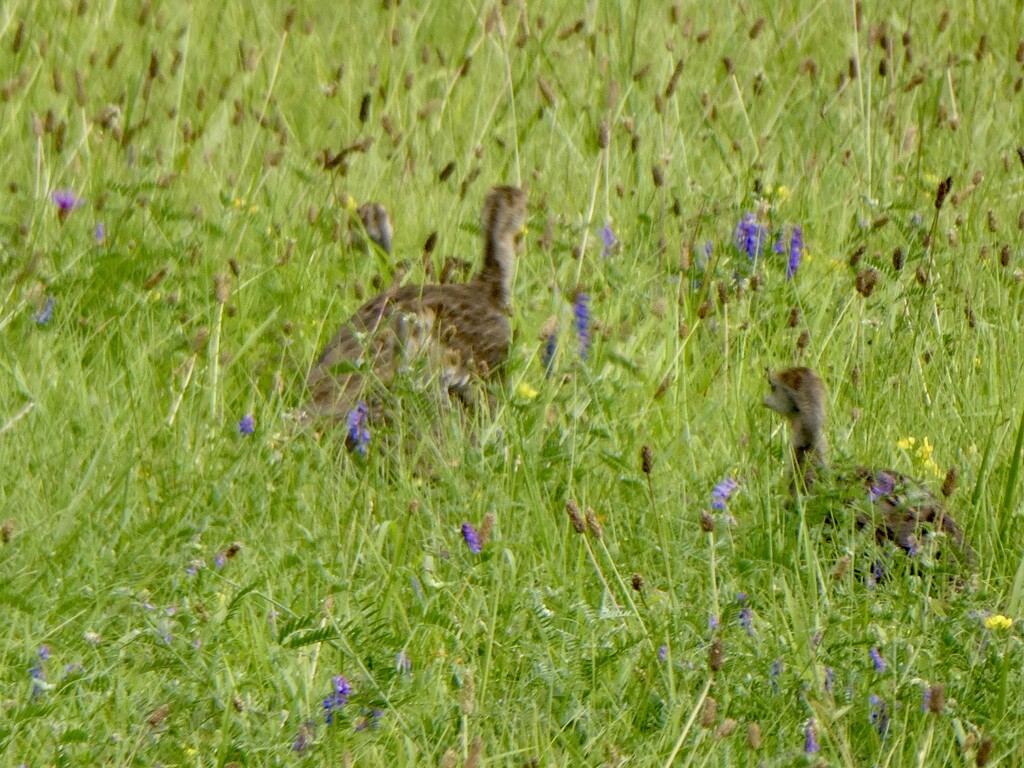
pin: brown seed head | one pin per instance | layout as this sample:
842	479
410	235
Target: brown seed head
716	654
7	531
486	528
726	729
707	522
646	459
950	483
753	735
867	279
637	582
943	190
897	259
937	698
794	317
709	713
158	715
573	510
222	288
594	524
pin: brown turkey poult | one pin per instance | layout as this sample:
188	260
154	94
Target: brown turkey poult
901	506
376	224
460	331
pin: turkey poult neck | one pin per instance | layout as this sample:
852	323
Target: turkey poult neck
498	267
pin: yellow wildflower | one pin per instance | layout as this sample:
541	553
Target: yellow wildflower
998	621
906	443
525	391
238	202
350	203
782	193
254	208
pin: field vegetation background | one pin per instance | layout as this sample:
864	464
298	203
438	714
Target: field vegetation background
188	577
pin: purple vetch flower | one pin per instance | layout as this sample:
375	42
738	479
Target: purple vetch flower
472	538
926	700
358	433
247	425
303	737
581	310
878	661
796	252
830	677
100	233
338	698
608	239
810	738
194	566
220	560
884	484
45	313
780	245
663	653
720	493
776	670
879	715
371	719
712	622
66	201
750	236
747	620
73	669
44	652
548	357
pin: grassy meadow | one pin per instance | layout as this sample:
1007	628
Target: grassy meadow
175	249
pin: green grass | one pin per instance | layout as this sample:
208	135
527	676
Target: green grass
123	467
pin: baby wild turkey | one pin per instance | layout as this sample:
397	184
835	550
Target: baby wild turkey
900	506
459	330
376	224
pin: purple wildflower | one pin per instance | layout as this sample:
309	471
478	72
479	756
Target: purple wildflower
472	538
73	669
878	661
220	560
608	239
247	425
549	353
796	252
780	245
830	677
45	314
712	622
100	233
66	201
371	719
663	653
581	309
747	620
927	699
338	698
44	652
750	236
358	434
777	667
879	715
720	493
883	485
303	737
810	738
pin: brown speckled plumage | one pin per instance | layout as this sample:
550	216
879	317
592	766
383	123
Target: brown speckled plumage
459	330
900	505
